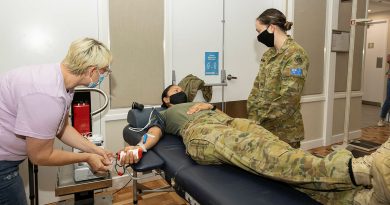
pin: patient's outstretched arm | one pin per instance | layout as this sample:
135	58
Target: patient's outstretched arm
154	135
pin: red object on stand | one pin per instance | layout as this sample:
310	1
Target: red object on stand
82	118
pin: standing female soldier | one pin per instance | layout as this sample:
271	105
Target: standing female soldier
274	101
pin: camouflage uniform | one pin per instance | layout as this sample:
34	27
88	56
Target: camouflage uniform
215	138
274	101
335	197
191	84
212	137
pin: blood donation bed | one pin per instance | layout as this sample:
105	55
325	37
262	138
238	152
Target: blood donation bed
200	184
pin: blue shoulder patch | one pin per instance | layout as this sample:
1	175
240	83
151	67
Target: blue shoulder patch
296	71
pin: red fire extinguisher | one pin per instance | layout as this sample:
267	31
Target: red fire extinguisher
82	118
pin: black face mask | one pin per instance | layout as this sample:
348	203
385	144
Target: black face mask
266	38
178	98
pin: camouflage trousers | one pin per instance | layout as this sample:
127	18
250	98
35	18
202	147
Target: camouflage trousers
216	138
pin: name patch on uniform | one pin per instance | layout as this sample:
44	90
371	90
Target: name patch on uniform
296	71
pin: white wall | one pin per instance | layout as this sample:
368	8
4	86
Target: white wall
40	31
379	16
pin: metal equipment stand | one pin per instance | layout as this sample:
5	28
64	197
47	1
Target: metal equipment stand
33	183
83	188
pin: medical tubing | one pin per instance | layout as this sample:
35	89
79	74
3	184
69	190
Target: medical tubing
124	172
136	129
131	179
124	169
122	186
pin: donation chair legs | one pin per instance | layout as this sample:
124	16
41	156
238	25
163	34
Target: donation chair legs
142	189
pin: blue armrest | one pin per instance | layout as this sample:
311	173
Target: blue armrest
149	161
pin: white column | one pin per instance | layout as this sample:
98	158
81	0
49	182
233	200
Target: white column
332	11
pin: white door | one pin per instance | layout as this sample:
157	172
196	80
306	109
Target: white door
194	27
375	62
242	50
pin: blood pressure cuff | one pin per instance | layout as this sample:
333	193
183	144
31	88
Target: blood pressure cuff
139	118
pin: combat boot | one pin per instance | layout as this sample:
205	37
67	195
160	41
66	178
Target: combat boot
361	167
363	197
380	193
381	180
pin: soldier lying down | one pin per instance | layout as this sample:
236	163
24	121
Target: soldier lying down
212	137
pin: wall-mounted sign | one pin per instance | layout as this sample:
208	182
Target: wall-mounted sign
340	41
211	60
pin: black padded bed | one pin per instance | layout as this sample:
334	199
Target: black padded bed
207	184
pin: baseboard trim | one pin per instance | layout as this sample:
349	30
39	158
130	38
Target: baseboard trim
340	137
310	144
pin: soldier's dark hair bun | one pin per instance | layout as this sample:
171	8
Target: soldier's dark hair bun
288	25
275	17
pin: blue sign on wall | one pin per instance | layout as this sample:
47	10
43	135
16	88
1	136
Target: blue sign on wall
211	63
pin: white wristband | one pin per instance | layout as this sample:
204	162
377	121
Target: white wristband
142	147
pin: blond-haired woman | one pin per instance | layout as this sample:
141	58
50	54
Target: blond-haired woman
34	105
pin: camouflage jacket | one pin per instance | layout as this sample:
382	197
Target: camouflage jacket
274	101
191	84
